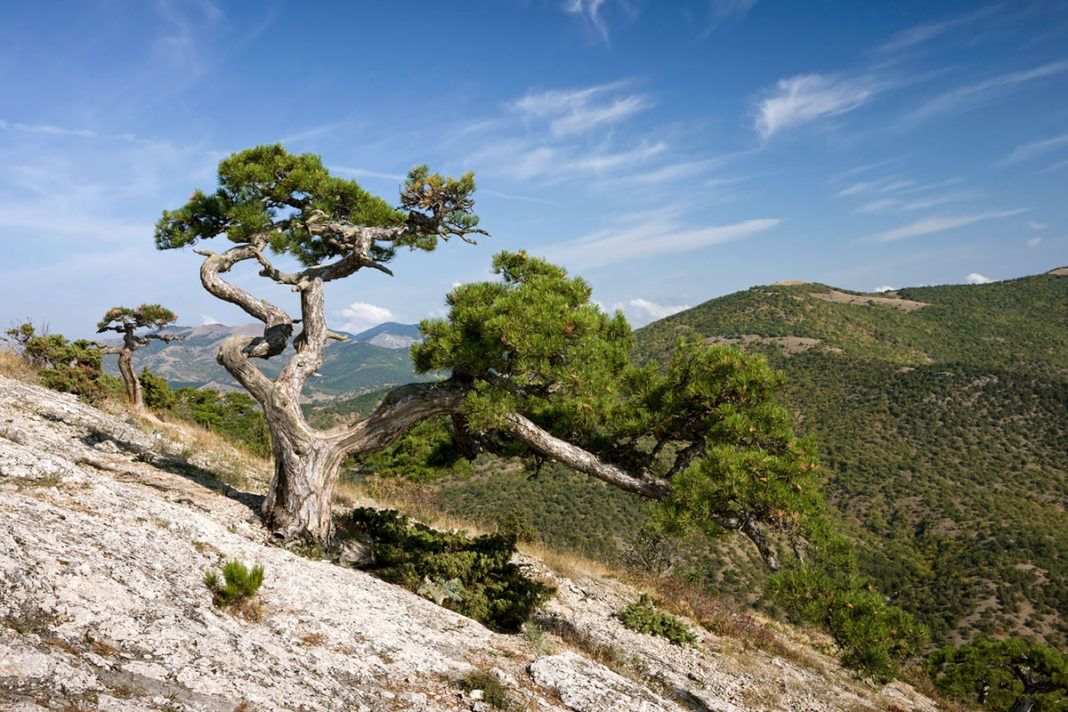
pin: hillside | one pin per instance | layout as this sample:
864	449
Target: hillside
103	604
942	415
366	361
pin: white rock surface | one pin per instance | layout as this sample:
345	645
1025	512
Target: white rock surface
107	528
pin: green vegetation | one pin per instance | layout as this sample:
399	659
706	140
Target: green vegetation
643	616
944	428
1003	675
236	587
471	575
63	365
494	693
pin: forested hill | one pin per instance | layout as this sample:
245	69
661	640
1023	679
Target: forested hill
942	415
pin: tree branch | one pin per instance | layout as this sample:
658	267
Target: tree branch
278	324
579	459
399	411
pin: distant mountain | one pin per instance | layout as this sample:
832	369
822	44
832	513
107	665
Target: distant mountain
349	368
942	414
391	335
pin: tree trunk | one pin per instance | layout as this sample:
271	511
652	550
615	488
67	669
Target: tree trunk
133	384
306	471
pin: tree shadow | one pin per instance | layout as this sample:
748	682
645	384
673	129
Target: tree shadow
176	465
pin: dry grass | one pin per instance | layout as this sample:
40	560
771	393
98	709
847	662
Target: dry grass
14	366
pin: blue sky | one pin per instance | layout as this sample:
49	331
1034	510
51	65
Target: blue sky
669	152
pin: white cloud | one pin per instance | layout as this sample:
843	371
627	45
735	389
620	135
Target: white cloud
360	316
972	95
877	206
589	10
929	31
722	11
523	161
1055	167
1035	225
807	97
364	173
931	225
884	288
653	235
206	319
1034	242
890	184
654	310
976	278
1029	150
945	198
573	111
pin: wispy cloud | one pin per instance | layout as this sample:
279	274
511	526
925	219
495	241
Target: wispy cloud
364	173
889	184
653	310
510	196
1027	151
1035	225
805	98
936	224
649	235
723	11
943	199
46	129
877	206
971	95
1034	242
523	160
1058	166
579	110
590	11
976	278
928	31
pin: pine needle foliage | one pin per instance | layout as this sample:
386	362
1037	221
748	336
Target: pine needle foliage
471	575
1003	675
236	586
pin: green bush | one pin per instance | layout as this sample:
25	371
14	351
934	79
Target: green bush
873	637
999	674
237	586
156	391
471	575
517	524
643	616
494	693
65	366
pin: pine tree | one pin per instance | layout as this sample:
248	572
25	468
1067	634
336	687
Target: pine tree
128	322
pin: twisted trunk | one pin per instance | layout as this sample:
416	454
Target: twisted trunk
130	380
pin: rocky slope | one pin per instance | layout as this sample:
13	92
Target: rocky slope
108	525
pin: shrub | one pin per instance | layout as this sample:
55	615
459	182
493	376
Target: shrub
471	575
62	365
873	637
1002	674
494	693
156	391
517	524
236	588
643	616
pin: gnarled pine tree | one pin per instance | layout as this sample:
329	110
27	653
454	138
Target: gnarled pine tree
128	322
531	358
533	362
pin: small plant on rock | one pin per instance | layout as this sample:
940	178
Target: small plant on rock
494	693
644	617
236	588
